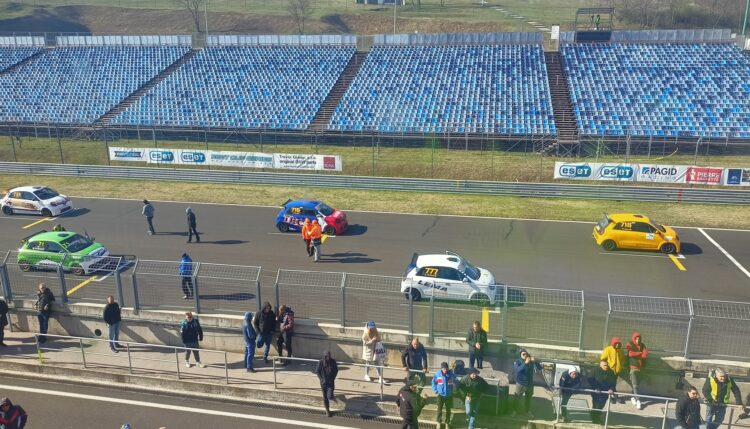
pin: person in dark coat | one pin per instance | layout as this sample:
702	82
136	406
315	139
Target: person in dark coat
4	321
112	318
327	370
265	323
604	381
192	333
688	410
473	387
43	306
477	342
250	338
191	226
148	213
286	328
410	405
12	416
414	361
570	379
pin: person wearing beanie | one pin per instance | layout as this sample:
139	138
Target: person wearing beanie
569	381
443	384
186	273
12	416
524	368
191	226
473	386
148	213
370	341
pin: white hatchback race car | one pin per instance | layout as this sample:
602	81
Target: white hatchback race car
35	200
449	277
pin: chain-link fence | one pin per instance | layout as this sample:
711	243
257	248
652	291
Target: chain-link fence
377	298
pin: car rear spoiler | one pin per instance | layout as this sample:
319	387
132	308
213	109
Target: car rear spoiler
286	202
606	216
412	264
25	239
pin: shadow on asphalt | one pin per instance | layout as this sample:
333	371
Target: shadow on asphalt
691	249
348	258
240	296
356	230
75	213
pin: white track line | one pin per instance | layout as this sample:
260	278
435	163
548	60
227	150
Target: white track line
175	408
731	258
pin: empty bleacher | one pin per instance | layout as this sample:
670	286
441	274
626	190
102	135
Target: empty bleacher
76	85
660	89
457	89
10	56
269	87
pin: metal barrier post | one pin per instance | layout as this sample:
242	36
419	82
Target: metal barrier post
497	399
273	362
664	420
118	284
606	416
196	291
5	279
506	313
177	361
61	278
432	315
134	282
690	328
580	327
226	367
257	294
83	353
130	360
276	290
606	321
382	373
343	302
411	313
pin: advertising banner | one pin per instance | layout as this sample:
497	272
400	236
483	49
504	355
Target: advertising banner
127	154
657	173
241	159
307	162
737	177
574	170
595	171
704	175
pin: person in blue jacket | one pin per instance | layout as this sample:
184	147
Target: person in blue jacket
250	336
524	368
443	384
186	272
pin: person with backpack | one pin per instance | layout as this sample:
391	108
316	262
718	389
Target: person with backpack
637	354
286	328
4	321
250	338
264	323
12	416
43	306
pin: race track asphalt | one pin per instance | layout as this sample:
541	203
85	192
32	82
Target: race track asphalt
540	254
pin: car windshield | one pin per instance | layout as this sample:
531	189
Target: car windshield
659	226
45	193
324	209
603	223
76	243
470	270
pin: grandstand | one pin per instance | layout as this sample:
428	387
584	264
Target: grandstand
12	56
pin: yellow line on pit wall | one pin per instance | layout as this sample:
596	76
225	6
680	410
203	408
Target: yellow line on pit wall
37	222
486	319
81	284
677	262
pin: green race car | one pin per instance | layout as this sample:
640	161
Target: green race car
47	250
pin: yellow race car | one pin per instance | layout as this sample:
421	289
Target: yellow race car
635	231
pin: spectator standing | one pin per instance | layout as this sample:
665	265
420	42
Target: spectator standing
112	318
414	361
410	405
306	236
616	359
327	371
477	341
12	416
316	238
637	354
569	380
604	381
58	228
4	321
473	386
370	340
716	390
250	338
286	328
186	273
688	411
148	213
265	323
524	368
43	306
443	384
192	333
191	226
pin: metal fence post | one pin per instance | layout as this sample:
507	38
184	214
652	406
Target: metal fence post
432	314
257	294
276	289
134	283
83	353
177	361
411	312
580	328
5	279
506	314
606	321
343	302
118	284
226	367
664	420
61	278
690	328
196	291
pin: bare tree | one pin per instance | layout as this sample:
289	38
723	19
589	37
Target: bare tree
194	7
299	10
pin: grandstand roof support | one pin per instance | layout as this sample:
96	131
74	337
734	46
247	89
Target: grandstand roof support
744	23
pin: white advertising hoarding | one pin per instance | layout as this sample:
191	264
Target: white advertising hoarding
595	171
657	173
737	176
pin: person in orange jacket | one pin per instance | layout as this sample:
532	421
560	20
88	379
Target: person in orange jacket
316	235
306	230
637	352
615	357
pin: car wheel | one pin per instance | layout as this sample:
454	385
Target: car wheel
24	266
668	248
77	270
609	245
480	299
7	210
415	294
46	213
282	226
329	230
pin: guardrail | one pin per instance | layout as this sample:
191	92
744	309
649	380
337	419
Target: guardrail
537	190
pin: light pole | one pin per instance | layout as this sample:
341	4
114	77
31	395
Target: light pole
744	23
206	14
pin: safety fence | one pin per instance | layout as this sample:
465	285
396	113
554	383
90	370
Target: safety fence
677	326
682	326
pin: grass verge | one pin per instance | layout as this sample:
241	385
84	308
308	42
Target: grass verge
703	215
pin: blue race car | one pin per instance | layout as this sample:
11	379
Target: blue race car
294	212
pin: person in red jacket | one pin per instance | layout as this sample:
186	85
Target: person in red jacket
12	416
637	352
